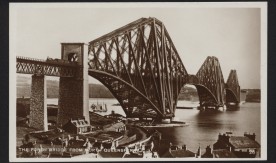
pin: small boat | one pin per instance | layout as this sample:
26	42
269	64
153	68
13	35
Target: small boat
98	107
184	107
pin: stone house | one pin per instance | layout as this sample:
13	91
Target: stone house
242	146
77	126
179	152
218	153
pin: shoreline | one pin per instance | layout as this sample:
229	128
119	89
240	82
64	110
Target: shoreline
166	125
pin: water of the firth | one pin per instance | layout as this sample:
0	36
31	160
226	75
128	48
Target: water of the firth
204	127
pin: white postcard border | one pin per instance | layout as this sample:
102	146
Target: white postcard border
12	70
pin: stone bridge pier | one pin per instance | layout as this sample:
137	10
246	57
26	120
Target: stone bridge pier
38	105
73	91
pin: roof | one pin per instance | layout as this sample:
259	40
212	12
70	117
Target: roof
111	154
174	147
243	142
97	145
115	115
76	144
223	153
179	153
167	154
107	145
80	122
134	155
182	153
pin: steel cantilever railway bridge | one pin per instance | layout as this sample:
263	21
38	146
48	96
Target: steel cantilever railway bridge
141	67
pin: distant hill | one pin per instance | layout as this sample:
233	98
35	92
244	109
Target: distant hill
95	90
23	87
253	95
188	93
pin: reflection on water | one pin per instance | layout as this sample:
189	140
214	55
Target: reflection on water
107	101
203	127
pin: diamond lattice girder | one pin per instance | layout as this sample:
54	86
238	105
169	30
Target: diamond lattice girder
233	87
42	67
143	55
210	75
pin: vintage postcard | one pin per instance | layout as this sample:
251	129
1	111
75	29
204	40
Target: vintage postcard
138	81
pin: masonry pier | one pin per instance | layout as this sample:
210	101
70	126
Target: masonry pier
73	91
38	105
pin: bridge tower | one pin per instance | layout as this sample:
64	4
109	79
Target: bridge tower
73	91
211	83
232	88
141	67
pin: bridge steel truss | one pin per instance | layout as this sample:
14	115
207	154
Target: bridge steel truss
140	65
210	85
26	65
232	88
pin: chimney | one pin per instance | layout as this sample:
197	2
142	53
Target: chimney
208	150
170	147
143	147
113	146
224	138
116	143
219	136
126	151
66	142
198	152
250	136
151	146
101	146
184	147
230	148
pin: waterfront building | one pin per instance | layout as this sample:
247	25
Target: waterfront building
242	146
115	116
133	155
179	152
150	154
97	146
77	126
99	107
218	153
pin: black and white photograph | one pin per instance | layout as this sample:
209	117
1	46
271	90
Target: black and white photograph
137	81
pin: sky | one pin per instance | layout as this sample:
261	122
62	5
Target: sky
230	34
